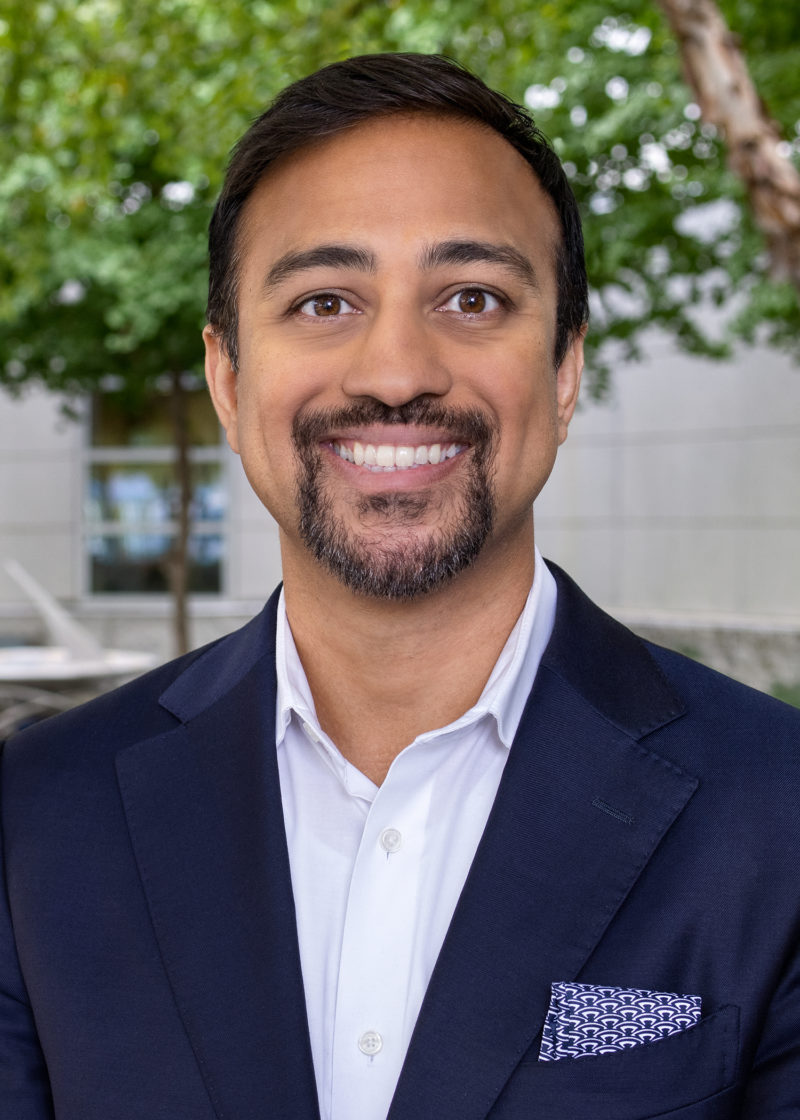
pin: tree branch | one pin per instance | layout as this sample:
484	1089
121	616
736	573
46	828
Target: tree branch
716	71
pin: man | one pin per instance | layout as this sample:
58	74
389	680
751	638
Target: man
432	836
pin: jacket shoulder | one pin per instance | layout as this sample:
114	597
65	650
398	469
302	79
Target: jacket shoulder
695	714
127	713
729	711
145	707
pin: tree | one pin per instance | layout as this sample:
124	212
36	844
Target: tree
116	120
717	73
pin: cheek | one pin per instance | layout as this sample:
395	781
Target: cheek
523	397
528	425
265	395
279	379
259	423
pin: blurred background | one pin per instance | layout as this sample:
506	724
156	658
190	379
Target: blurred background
676	500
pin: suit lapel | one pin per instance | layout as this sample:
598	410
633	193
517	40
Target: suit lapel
204	813
580	810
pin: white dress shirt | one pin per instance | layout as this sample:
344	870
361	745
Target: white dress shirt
377	871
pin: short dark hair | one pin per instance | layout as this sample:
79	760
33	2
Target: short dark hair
345	94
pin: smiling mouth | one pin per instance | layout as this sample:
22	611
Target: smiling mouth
395	457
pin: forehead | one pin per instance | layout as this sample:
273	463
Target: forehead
399	182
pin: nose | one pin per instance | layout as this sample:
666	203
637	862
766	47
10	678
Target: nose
397	359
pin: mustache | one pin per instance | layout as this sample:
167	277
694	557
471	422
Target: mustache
464	425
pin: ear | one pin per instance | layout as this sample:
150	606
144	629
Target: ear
568	382
221	379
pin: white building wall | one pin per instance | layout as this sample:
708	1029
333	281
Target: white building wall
40	469
676	505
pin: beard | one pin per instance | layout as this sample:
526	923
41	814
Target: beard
387	559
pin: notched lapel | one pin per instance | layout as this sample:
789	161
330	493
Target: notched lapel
204	813
581	807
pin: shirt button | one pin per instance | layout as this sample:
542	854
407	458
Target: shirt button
391	839
370	1043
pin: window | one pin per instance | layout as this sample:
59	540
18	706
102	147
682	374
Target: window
132	495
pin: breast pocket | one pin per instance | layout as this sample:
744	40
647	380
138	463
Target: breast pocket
648	1080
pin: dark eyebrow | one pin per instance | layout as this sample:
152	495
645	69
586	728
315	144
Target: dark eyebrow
321	256
475	252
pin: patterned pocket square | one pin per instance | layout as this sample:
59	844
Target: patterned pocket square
586	1019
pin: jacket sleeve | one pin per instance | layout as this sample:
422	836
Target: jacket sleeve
24	1086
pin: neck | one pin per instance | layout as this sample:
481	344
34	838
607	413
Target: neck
381	673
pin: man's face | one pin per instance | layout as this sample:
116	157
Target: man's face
397	408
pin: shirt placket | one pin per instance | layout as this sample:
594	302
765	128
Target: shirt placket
371	1029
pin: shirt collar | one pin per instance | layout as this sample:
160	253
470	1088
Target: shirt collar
503	697
511	680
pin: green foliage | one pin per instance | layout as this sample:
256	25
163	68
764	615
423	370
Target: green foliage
116	120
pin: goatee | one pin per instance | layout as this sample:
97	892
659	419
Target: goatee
382	561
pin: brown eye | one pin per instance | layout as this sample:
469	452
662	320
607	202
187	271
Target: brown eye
476	304
472	301
327	305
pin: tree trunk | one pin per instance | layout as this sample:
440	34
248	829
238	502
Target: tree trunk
178	560
716	71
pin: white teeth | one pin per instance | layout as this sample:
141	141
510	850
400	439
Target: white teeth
384	455
404	457
388	457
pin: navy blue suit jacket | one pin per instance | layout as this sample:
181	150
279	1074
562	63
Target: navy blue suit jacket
645	835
